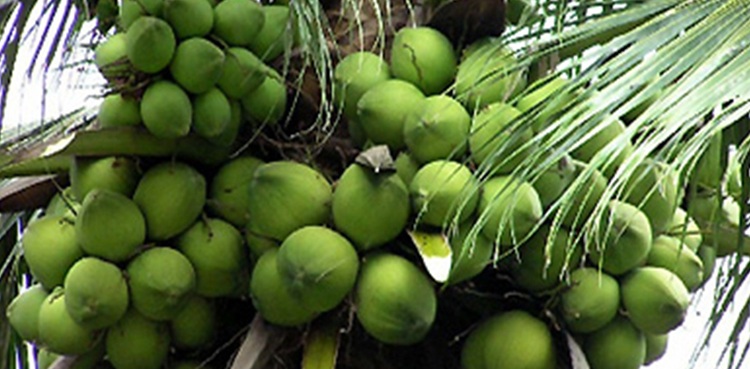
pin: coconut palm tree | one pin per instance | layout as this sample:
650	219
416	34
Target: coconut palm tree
676	71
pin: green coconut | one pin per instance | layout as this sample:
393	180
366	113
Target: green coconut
195	326
171	196
487	73
137	342
110	226
23	312
684	228
618	345
267	103
215	249
545	98
113	173
238	22
510	340
395	302
132	10
166	110
242	72
424	57
59	332
554	180
161	280
670	253
353	76
625	239
720	218
653	187
259	244
406	167
612	130
442	190
384	108
582	200
269	42
150	44
63	203
708	172
656	347
117	110
438	130
471	253
540	265
492	141
96	293
318	266
189	18
50	248
211	113
590	301
371	208
285	196
228	194
228	136
655	298
111	56
271	297
197	64
707	254
733	179
88	360
512	209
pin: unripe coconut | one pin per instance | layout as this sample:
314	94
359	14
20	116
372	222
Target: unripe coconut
654	188
197	64
684	228
137	342
216	251
545	98
655	298
267	103
656	347
110	226
63	203
488	73
166	110
96	293
494	143
471	253
111	56
625	239
238	22
512	208
438	130
708	172
241	73
370	208
195	326
406	167
59	332
583	200
150	44
161	280
229	192
540	265
442	190
228	136
117	111
733	179
23	312
211	113
618	345
353	76
318	266
395	302
670	253
591	300
269	42
50	248
707	254
259	244
132	10
113	173
171	196
271	296
383	109
285	196
612	130
189	18
424	57
554	181
721	218
93	359
510	340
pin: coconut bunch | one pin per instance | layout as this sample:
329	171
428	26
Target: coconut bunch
194	66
